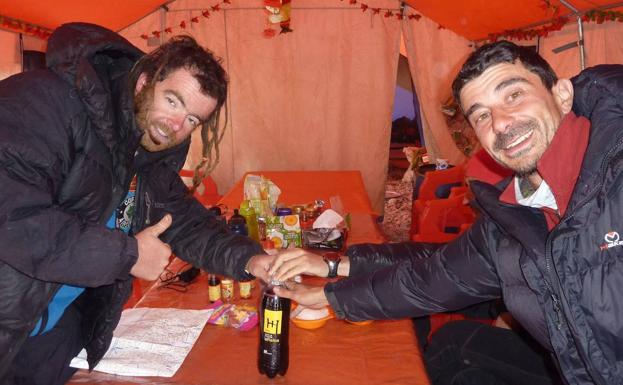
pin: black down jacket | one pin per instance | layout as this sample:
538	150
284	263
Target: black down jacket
68	151
564	286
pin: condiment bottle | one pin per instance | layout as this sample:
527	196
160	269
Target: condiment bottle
237	224
218	214
214	288
245	287
227	289
298	210
261	228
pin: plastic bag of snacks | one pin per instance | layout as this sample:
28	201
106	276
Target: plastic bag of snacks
240	317
262	194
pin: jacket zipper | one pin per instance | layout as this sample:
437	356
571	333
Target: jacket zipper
556	301
148	205
556	306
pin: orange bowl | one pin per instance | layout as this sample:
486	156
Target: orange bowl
311	324
314	323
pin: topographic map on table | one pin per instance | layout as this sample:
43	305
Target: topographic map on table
150	342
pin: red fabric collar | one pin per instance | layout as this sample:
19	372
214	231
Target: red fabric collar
559	165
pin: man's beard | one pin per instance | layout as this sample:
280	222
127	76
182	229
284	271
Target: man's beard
502	140
143	103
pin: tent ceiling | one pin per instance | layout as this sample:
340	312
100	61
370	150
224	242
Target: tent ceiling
114	14
473	19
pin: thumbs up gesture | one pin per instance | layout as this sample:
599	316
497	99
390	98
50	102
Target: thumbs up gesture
153	254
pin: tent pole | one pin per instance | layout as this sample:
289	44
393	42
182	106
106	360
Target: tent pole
580	31
21	49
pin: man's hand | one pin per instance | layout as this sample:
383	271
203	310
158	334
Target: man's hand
308	296
259	264
292	262
153	254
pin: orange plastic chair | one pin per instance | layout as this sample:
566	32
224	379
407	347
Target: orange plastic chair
452	179
206	193
442	220
435	179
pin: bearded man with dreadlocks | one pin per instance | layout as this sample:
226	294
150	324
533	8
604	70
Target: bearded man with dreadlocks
75	139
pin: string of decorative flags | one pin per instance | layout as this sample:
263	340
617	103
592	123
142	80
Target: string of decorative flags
205	14
24	27
592	16
387	12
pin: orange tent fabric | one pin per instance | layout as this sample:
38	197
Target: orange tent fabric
114	14
475	19
472	19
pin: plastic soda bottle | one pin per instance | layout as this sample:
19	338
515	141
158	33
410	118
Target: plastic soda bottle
273	352
250	218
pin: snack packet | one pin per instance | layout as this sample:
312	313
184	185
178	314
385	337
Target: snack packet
241	317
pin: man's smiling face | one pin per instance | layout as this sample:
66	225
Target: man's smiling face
513	114
171	109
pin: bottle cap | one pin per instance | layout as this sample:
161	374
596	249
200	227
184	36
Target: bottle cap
281	211
246	209
268	244
215	210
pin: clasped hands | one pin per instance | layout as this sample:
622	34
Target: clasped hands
287	264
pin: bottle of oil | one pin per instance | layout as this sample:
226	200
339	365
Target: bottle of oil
273	352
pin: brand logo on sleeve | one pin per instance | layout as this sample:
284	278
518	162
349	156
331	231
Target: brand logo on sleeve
612	239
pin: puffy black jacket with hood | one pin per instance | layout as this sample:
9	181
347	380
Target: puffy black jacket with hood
69	149
564	286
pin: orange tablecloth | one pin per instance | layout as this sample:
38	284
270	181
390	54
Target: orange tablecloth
383	352
300	187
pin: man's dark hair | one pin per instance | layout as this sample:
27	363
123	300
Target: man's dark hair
502	52
184	52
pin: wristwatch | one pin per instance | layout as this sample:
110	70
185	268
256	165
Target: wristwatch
332	259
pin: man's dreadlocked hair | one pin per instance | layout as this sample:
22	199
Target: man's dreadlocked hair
184	52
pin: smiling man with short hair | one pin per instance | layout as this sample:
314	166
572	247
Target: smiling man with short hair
546	241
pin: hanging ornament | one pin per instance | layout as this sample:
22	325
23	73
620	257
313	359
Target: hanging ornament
278	14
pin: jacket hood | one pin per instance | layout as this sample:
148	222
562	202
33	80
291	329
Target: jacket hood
95	62
598	96
73	44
